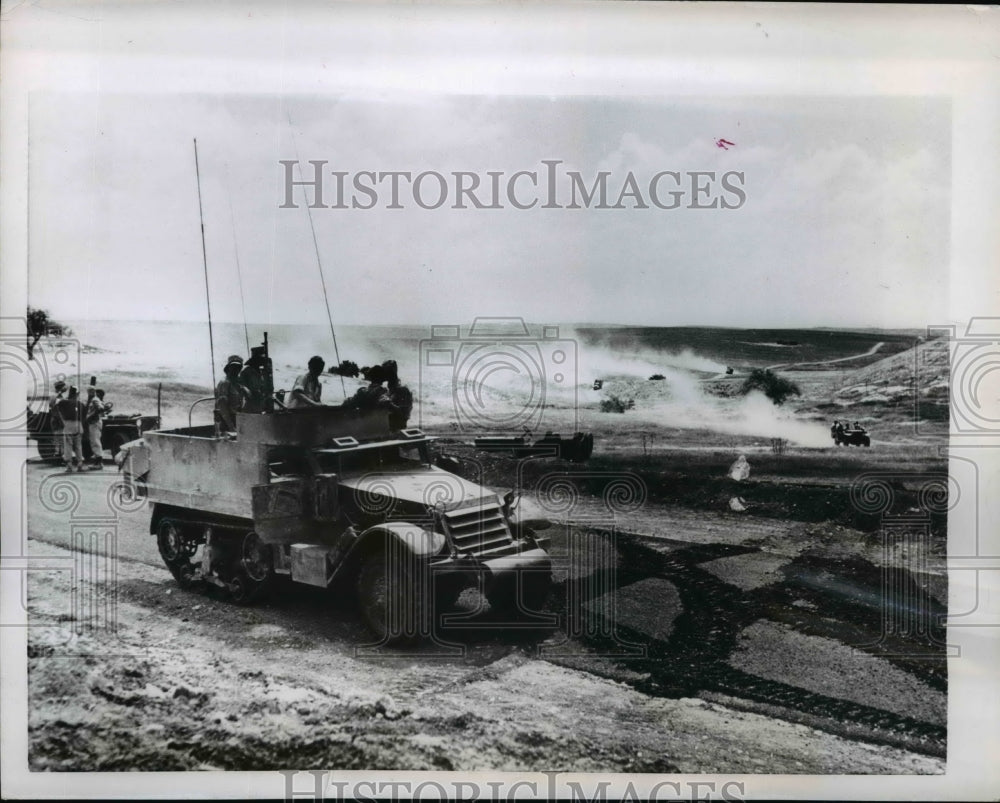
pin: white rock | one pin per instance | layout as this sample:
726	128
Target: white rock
740	469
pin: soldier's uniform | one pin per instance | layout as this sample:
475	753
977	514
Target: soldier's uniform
55	422
310	387
252	379
95	427
229	395
400	406
398	398
72	413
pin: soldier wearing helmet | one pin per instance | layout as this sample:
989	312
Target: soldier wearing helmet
230	395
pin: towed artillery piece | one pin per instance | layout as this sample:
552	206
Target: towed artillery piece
577	449
332	497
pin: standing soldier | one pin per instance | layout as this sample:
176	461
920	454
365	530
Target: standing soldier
252	378
368	397
95	417
307	390
399	399
55	422
72	413
229	395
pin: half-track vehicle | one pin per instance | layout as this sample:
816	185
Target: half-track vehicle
332	497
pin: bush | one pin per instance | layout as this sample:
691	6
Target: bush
615	404
776	388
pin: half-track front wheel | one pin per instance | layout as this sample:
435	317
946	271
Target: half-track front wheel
389	599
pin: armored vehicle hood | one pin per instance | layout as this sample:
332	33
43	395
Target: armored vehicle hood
427	485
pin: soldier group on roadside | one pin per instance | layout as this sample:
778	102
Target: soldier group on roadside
244	389
72	418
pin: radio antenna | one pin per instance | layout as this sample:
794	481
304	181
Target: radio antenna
319	264
204	259
236	248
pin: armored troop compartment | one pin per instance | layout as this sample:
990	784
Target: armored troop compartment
333	497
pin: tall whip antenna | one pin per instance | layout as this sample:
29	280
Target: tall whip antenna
319	264
239	273
204	259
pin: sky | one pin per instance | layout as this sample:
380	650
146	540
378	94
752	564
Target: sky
844	219
846	173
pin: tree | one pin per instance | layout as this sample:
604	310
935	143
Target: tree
41	325
776	388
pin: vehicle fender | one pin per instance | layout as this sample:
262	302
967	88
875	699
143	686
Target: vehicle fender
419	541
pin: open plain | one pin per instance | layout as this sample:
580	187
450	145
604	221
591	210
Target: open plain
785	622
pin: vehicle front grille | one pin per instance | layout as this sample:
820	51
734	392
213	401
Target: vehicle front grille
481	531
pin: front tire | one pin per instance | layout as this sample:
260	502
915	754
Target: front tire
389	599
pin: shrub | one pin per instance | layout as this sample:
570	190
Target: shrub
616	404
776	388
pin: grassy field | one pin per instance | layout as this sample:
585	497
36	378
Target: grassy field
751	347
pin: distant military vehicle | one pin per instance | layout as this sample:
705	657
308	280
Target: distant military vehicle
332	497
844	434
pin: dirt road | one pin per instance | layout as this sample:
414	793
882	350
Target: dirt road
729	649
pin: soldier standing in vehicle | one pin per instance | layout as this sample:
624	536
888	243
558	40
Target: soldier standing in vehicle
95	417
229	395
252	378
367	398
307	390
72	413
399	399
